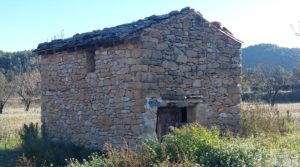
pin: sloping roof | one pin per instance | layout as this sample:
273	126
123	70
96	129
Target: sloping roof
108	36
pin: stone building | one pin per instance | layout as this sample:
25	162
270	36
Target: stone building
135	80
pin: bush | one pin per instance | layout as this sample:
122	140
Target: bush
205	147
43	152
115	157
191	145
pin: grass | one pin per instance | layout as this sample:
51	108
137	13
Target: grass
194	145
268	137
259	119
13	118
11	121
9	151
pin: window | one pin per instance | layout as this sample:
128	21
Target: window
90	62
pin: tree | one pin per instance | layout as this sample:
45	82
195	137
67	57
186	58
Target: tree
296	74
5	91
28	87
266	81
279	78
272	80
13	63
250	85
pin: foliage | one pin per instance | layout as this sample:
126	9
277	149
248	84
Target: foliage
40	151
296	73
273	144
116	157
266	81
191	145
270	56
268	69
205	147
194	145
23	161
13	120
9	151
276	79
23	64
14	63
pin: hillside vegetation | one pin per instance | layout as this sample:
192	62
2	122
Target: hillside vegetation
14	63
270	55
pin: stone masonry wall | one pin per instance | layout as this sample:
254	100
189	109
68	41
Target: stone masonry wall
92	108
184	55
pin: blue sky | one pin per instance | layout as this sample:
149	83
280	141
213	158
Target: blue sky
26	23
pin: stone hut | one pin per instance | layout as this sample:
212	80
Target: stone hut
133	81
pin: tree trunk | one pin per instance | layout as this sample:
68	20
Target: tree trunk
272	101
1	107
27	106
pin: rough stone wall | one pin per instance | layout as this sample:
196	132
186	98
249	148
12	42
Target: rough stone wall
187	56
181	56
91	108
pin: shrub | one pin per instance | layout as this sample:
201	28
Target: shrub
205	147
43	152
191	145
114	157
23	161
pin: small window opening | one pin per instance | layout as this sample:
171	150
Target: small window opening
90	62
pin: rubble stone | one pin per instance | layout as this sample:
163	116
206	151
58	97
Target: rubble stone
177	55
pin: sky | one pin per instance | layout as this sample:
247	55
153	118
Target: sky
26	23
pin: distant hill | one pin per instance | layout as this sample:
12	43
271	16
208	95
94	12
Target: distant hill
270	55
12	63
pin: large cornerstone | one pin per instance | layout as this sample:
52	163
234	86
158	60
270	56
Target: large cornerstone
134	81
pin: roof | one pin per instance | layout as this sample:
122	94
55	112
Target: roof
108	36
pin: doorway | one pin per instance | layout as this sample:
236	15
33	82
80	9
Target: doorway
170	116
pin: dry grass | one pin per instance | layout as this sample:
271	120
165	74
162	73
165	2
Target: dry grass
13	118
261	118
11	122
293	108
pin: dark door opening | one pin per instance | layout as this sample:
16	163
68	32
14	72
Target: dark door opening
169	116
